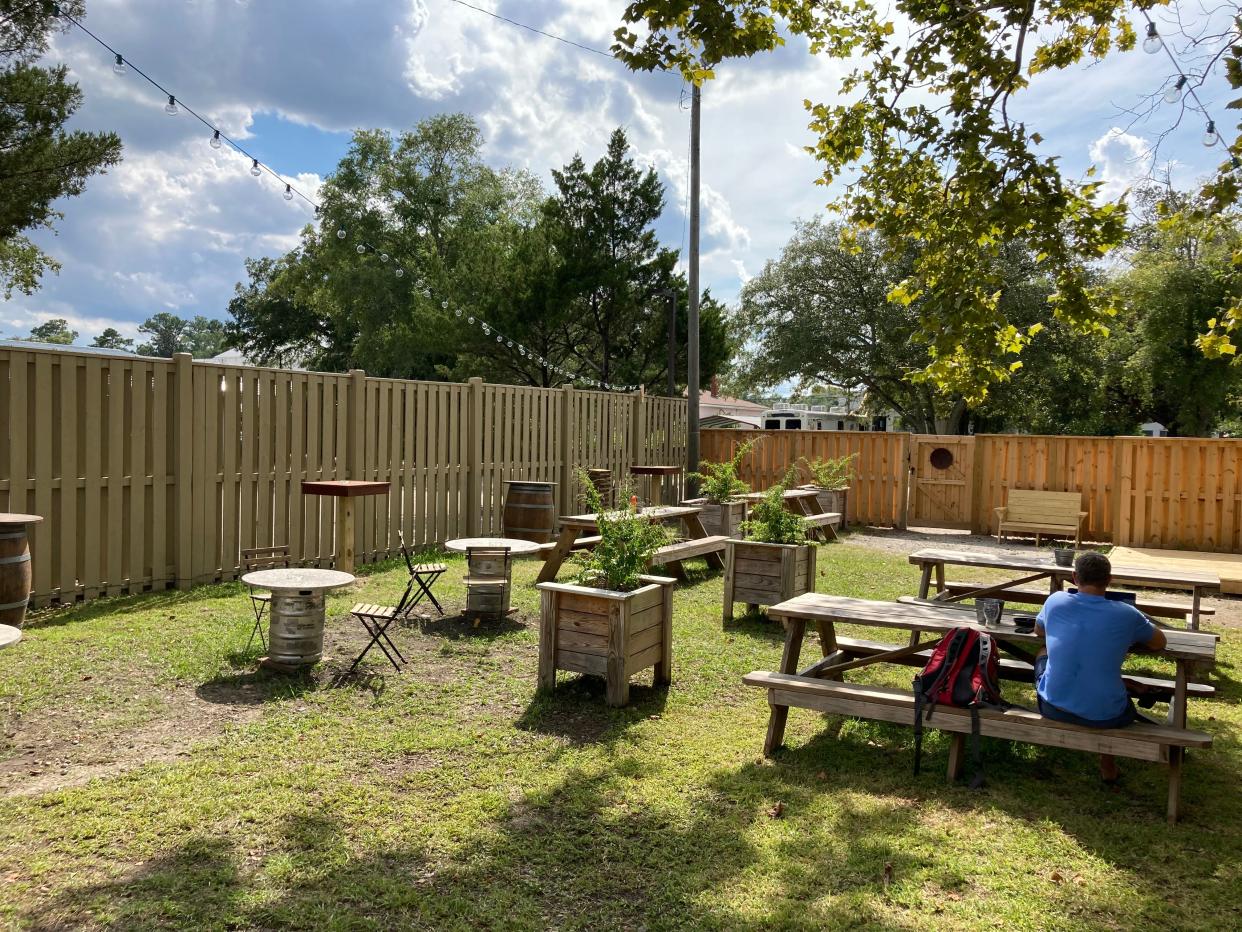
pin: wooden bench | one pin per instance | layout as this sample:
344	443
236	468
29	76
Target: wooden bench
582	543
671	555
1041	513
1154	607
1140	741
828	519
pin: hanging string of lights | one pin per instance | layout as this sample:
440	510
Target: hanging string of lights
1181	87
123	66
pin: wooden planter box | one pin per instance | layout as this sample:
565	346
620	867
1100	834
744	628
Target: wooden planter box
765	574
720	517
606	633
831	501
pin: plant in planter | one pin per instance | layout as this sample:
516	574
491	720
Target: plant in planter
722	511
832	479
616	620
774	562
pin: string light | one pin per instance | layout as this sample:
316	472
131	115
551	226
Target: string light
1174	93
1153	43
1210	137
122	67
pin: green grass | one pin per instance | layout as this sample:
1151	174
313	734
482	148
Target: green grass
453	796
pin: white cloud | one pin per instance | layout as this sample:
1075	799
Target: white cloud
1120	159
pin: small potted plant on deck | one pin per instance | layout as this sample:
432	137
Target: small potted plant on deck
773	562
831	478
723	511
615	620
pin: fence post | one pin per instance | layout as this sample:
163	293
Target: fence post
474	455
183	379
903	482
567	468
638	429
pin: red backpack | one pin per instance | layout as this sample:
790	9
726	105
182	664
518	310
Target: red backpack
964	672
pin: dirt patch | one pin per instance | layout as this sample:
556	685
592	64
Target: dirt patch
55	749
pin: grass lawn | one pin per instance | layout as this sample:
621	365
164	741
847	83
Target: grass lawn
151	779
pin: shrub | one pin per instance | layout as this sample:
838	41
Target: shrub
771	523
627	542
719	481
831	474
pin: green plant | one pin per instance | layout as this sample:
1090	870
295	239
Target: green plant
627	542
719	481
771	523
831	474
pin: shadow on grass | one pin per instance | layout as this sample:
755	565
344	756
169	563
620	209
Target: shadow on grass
60	615
458	628
256	687
577	710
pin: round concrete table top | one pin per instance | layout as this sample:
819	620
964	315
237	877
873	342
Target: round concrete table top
9	635
515	545
10	518
298	579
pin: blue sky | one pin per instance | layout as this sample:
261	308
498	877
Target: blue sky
169	228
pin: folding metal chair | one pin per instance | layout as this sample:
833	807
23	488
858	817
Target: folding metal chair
262	558
376	619
422	576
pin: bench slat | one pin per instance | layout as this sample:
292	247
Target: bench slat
684	550
1155	607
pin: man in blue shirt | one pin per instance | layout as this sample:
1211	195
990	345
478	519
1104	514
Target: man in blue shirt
1087	636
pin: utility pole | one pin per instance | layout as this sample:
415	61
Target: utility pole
672	343
692	310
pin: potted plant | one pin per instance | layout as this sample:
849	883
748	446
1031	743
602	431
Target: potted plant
831	478
774	562
614	620
723	512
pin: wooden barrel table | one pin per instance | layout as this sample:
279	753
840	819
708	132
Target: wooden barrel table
530	510
15	576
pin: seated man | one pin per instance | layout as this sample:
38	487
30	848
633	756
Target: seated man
1078	674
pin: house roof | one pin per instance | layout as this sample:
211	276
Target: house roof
707	399
64	348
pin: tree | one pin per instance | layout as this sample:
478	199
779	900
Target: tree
40	162
112	339
55	330
167	332
938	158
204	337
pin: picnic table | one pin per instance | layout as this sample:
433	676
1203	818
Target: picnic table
821	685
1037	567
804	503
698	542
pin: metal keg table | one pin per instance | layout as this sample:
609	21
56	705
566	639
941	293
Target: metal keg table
14	567
344	491
296	615
516	548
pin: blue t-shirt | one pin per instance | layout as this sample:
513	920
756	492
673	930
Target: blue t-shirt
1087	638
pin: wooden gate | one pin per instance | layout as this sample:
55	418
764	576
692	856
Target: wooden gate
942	481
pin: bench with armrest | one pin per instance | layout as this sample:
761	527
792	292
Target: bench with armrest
1030	511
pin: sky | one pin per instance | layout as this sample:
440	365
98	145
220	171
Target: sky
170	227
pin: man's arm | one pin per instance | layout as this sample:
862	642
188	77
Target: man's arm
1157	640
1149	634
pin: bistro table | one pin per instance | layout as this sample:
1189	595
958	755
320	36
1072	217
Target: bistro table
667	475
344	491
574	525
1037	567
478	603
9	635
296	615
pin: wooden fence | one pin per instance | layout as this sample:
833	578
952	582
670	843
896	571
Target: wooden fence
154	472
1170	492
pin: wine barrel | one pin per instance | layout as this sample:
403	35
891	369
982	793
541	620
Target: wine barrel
295	633
15	576
530	511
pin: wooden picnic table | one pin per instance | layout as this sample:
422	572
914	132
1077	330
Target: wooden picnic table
819	686
574	525
802	502
1038	566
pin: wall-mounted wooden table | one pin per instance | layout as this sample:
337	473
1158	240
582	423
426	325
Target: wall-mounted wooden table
667	475
344	491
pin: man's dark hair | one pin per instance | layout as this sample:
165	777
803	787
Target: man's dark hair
1093	569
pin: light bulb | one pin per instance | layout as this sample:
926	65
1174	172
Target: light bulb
1174	93
458	313
421	283
509	345
383	257
1153	43
470	321
215	140
1209	136
325	276
340	233
499	338
254	168
361	249
443	304
487	331
288	195
119	65
171	106
426	292
400	273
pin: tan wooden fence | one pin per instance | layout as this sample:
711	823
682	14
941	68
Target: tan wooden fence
1174	492
154	472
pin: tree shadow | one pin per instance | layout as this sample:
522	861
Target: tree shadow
459	628
257	687
578	713
55	616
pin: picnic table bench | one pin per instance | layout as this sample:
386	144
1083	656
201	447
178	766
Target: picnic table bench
820	686
697	543
1039	512
1038	566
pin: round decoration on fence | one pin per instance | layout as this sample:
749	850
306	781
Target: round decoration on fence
941	458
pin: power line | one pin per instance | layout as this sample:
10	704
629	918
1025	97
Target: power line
546	35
